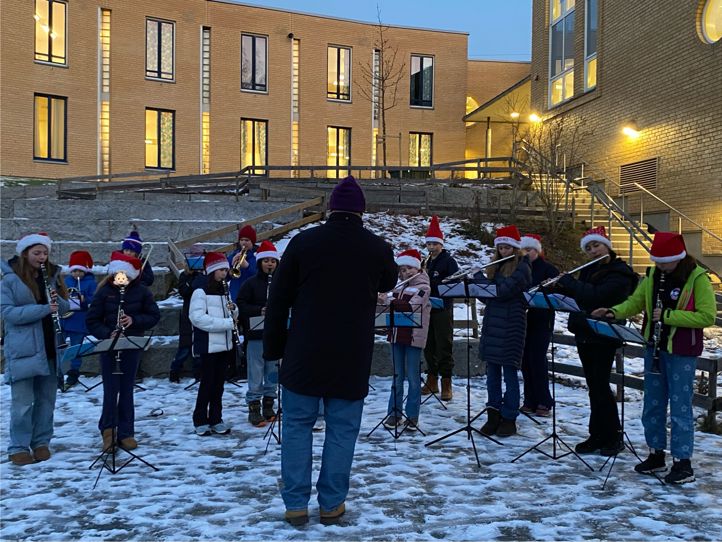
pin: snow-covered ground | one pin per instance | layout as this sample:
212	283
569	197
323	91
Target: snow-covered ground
227	487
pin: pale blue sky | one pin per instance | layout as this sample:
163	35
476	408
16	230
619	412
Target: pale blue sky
498	29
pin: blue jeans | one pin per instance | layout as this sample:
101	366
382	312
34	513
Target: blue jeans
32	408
262	375
343	420
181	355
118	405
508	405
407	362
75	337
675	385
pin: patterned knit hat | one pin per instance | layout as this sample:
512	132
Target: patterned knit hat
598	234
434	233
133	242
508	235
267	250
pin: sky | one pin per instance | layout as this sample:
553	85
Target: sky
497	30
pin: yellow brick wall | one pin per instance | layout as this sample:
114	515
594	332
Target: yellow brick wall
131	92
653	68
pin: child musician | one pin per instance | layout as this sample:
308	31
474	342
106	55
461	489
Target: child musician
133	246
262	375
678	296
213	316
106	319
539	327
82	282
502	332
407	343
245	247
27	304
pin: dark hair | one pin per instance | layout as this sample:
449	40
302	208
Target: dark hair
26	272
684	268
505	269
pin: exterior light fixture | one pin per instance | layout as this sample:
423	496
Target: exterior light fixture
534	118
631	130
515	115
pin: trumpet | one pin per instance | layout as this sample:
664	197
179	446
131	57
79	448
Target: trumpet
236	270
75	296
425	262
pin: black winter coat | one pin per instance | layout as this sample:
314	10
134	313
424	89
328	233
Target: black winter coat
438	269
599	285
329	278
540	320
504	327
187	282
251	299
138	303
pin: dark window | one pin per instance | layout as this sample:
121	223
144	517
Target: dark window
159	49
253	62
422	80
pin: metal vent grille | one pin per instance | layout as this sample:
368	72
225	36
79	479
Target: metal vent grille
644	173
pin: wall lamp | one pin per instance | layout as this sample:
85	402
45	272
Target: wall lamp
631	130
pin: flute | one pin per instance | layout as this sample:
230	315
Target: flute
560	275
473	270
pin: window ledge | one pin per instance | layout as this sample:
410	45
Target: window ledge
50	161
160	169
430	107
158	80
251	91
339	100
574	101
52	64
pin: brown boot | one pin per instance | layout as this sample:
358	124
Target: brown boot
107	439
431	385
41	453
446	393
21	459
128	443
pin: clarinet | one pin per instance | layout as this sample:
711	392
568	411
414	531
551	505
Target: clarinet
120	329
657	336
229	306
50	293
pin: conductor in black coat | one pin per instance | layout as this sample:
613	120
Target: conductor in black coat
329	280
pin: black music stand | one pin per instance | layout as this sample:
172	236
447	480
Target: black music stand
88	347
436	303
119	343
72	352
387	317
542	299
467	289
627	335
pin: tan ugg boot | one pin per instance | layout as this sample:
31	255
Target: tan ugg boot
431	385
446	392
107	439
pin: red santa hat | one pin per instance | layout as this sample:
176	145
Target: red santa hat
532	240
214	261
130	265
267	250
508	235
247	232
434	233
598	234
667	247
410	257
80	260
40	238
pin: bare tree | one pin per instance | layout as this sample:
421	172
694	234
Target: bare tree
382	75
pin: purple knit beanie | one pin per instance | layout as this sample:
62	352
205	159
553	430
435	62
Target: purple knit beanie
347	196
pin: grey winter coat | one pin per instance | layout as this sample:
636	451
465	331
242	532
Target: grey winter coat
22	316
504	327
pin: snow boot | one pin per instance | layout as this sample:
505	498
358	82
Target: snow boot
268	412
174	376
71	379
681	472
254	414
506	428
431	385
492	424
654	463
446	391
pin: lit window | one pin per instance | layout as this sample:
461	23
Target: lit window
253	62
159	139
50	31
419	149
591	27
339	73
159	53
712	21
254	144
338	151
422	81
49	128
561	83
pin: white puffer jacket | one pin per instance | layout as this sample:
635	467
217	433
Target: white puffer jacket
210	314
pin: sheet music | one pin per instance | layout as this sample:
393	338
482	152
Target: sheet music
385	318
558	302
617	331
458	290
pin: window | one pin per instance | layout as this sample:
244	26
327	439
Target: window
561	51
338	153
339	73
253	63
591	27
419	149
159	139
254	144
712	21
50	128
159	49
50	31
422	81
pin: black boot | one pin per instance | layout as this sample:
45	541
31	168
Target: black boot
654	463
268	412
506	428
254	414
174	376
71	378
492	424
681	472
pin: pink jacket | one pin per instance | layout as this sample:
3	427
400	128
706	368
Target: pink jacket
415	292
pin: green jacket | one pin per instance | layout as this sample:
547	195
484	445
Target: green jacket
696	309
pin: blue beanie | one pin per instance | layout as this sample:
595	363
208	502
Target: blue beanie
133	242
347	196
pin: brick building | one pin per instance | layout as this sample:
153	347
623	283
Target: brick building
198	86
658	70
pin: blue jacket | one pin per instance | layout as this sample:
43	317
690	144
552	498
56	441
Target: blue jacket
22	316
234	285
138	303
76	322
